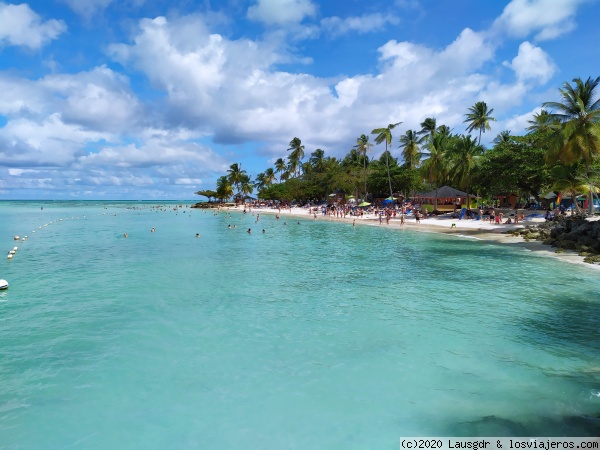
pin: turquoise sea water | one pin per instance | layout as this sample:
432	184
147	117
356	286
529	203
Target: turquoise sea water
311	335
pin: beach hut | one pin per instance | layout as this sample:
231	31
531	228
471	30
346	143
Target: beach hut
505	200
448	198
339	196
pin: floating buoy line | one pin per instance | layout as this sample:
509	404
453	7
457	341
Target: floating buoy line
11	254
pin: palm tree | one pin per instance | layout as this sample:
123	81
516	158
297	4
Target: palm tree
246	186
259	182
411	144
224	188
362	147
503	137
479	118
317	159
236	175
435	167
542	123
578	137
385	135
444	129
428	127
280	166
296	155
269	178
464	161
570	179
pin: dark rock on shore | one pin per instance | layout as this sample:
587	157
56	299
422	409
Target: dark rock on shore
573	233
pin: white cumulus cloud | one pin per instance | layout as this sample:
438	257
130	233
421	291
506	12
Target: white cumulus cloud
21	26
532	63
547	19
281	12
358	24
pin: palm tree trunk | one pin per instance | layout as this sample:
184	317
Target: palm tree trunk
365	176
574	201
591	193
468	199
435	201
387	163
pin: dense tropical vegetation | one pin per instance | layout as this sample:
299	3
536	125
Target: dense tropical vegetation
560	153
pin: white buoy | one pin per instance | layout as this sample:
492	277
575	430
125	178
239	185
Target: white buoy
16	238
10	256
15	248
23	240
3	285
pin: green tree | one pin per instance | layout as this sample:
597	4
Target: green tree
224	188
515	165
259	182
246	186
503	137
572	180
317	160
464	159
362	147
385	135
280	167
445	130
295	157
577	139
410	142
269	178
207	193
428	128
435	167
235	175
479	118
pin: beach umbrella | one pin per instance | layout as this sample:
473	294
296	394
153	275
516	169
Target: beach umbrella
364	204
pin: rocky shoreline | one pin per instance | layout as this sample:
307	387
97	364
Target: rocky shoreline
573	233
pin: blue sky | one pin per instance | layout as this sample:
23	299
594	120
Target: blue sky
154	99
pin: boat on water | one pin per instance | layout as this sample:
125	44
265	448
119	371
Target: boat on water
3	285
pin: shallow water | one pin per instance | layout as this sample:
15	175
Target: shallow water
311	335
